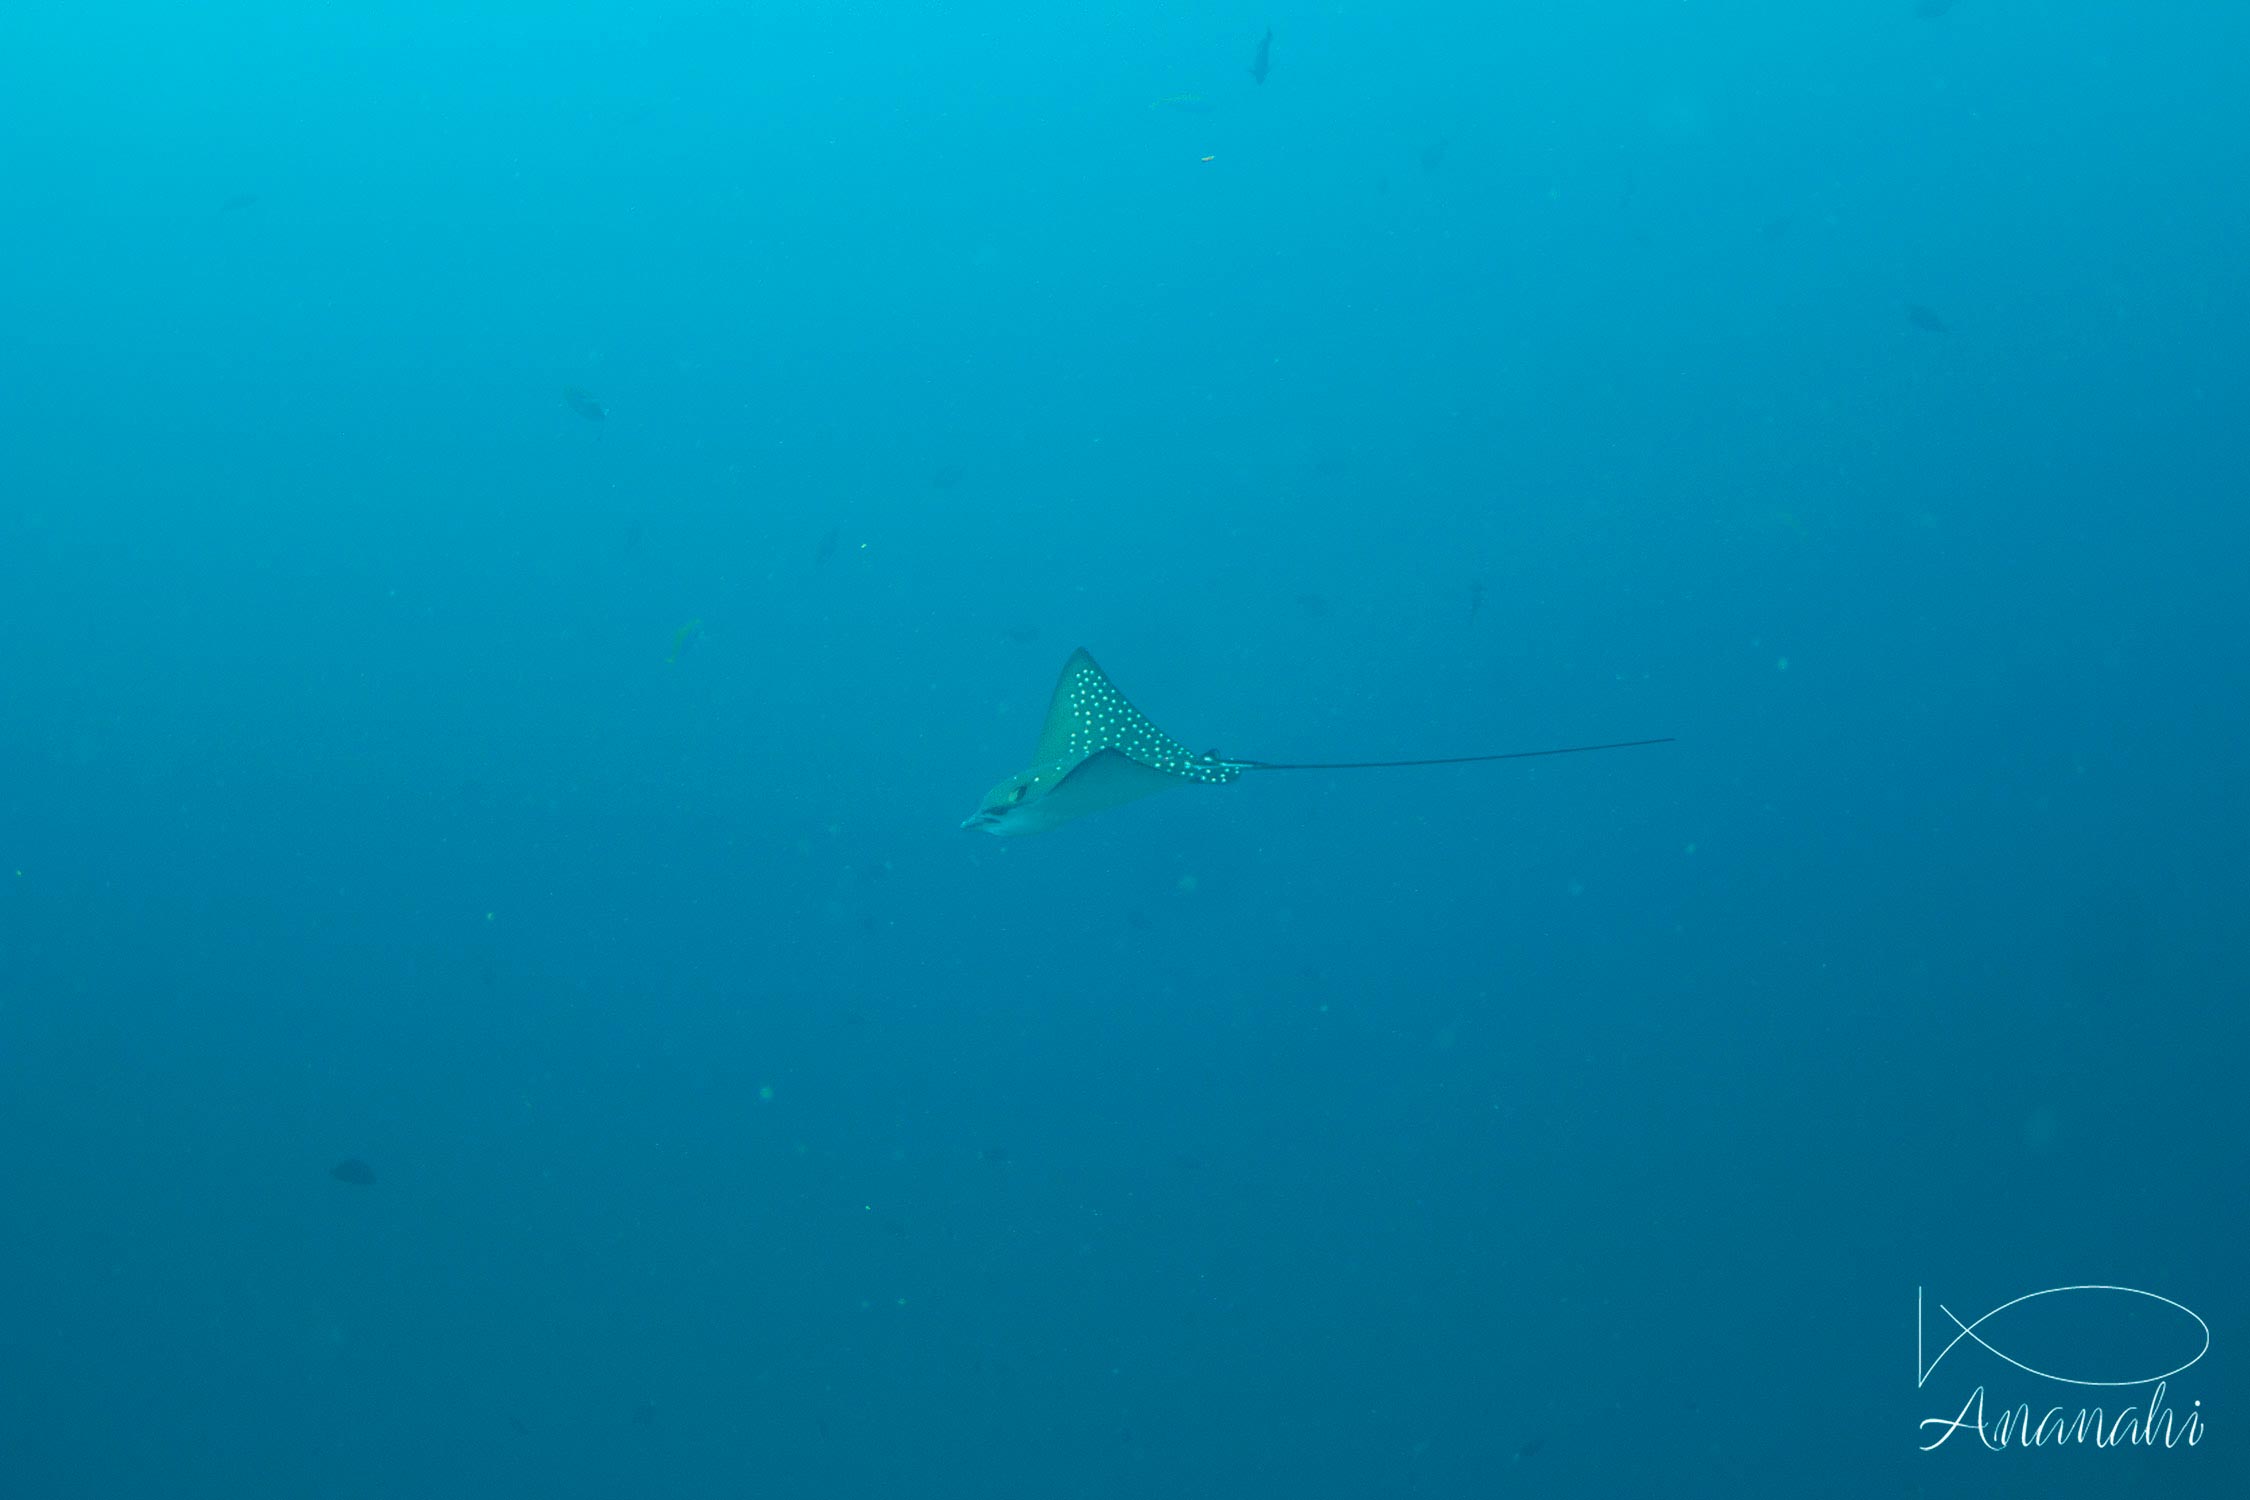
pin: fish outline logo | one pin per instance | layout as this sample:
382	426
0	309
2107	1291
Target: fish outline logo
1924	1368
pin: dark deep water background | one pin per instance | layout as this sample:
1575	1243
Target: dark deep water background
396	764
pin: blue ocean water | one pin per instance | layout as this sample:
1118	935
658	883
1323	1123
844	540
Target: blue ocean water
525	528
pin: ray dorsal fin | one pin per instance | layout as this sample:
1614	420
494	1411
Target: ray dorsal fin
1088	715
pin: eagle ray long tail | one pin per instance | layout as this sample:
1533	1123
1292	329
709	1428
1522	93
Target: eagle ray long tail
1450	760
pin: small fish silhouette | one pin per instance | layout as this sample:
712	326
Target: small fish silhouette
582	402
237	202
1262	64
353	1171
683	638
1926	320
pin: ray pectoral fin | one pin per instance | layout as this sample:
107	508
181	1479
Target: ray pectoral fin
1088	714
1105	779
1065	731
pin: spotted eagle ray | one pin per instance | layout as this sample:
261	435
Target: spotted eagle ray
1097	751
